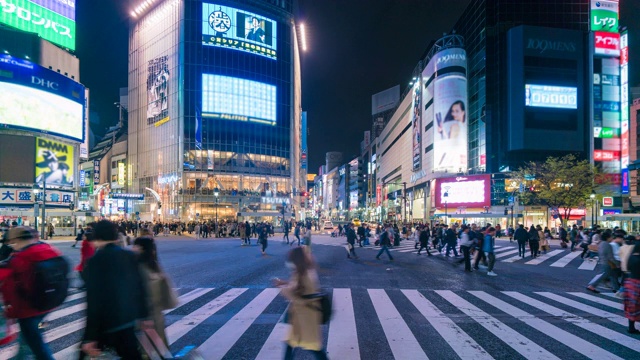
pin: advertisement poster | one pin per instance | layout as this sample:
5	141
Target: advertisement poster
157	91
417	127
54	162
472	191
604	15
229	27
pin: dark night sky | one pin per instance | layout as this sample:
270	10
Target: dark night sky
356	48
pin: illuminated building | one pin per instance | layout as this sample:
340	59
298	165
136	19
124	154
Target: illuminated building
214	103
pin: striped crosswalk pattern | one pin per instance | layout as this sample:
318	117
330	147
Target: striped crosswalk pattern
403	323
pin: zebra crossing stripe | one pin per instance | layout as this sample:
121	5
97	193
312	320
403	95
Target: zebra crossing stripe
75	296
599	330
400	338
565	259
582	346
460	342
586	308
609	303
588	265
342	341
506	253
512	259
498	249
218	344
272	348
54	315
522	345
190	296
49	336
178	329
70	352
541	258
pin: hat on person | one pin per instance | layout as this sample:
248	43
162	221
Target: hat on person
22	233
50	157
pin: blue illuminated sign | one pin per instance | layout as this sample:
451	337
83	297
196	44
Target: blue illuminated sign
560	97
231	98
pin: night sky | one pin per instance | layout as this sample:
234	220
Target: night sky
356	49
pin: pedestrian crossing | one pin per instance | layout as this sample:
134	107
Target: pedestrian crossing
246	323
557	258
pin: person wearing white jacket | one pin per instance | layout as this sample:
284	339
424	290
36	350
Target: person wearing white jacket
465	246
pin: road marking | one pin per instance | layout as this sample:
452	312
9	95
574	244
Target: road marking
272	348
586	308
400	338
190	296
65	312
498	249
519	343
223	340
49	336
541	258
67	353
342	341
565	260
613	304
178	329
512	259
599	330
506	253
75	296
459	341
588	264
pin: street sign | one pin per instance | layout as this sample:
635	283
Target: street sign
607	201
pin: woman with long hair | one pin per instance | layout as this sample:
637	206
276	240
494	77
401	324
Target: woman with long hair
161	295
303	313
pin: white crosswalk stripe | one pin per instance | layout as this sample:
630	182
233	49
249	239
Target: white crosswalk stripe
403	315
565	260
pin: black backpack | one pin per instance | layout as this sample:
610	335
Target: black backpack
50	283
325	305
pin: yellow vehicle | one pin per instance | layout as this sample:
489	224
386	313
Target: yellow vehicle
356	222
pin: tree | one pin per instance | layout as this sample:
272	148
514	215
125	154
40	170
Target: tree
562	184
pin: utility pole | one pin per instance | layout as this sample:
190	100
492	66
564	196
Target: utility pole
404	198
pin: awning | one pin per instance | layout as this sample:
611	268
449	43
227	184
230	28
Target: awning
472	215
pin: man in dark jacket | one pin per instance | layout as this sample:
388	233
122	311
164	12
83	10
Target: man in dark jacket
521	237
385	242
424	240
351	239
116	296
361	235
451	239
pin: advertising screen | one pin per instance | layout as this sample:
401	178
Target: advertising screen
604	15
53	20
416	119
624	110
157	91
231	98
607	43
450	110
54	162
470	191
559	97
232	28
38	99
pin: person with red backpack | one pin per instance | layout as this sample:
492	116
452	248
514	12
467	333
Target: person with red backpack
34	282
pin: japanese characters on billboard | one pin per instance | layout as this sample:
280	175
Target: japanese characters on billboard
607	43
38	99
604	15
624	110
472	191
236	29
158	91
416	119
53	20
450	110
54	162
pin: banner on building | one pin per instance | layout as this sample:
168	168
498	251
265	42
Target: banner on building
54	162
158	91
416	119
25	196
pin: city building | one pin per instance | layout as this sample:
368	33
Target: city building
43	130
215	117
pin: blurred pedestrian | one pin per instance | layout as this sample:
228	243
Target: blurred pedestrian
632	289
385	242
86	252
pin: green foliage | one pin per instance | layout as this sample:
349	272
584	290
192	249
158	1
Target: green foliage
562	183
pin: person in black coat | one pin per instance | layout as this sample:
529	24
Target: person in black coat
424	240
521	237
534	241
116	296
351	239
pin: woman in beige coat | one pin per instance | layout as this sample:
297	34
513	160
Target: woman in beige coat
303	314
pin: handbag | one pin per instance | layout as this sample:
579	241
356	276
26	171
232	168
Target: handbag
167	294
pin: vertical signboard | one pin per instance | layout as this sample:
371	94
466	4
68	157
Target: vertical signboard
157	91
624	110
604	15
416	120
96	172
303	141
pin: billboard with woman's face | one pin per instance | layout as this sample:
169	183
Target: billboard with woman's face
450	143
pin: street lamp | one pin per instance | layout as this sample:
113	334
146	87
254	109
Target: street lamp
446	197
594	208
216	193
36	191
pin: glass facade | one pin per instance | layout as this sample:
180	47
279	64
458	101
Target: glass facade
232	112
484	26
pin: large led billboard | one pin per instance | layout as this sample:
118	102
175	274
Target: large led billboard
450	110
40	100
470	191
54	162
157	91
231	98
53	20
229	27
550	96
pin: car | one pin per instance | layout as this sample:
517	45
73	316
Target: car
356	222
328	225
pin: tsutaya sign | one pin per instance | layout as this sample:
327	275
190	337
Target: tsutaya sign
275	200
417	176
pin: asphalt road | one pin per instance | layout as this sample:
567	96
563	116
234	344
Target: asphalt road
414	307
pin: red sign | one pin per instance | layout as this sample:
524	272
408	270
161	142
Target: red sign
607	201
483	159
607	43
624	56
473	191
378	195
606	155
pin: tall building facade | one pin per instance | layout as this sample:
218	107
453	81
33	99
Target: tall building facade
215	110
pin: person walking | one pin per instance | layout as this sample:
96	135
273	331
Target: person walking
196	230
86	252
521	237
19	288
116	299
78	236
351	241
423	237
465	246
605	259
451	240
631	294
573	236
286	232
296	233
385	242
303	315
488	247
534	241
161	295
263	238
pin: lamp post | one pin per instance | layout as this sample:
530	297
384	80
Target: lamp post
404	198
446	197
36	191
216	193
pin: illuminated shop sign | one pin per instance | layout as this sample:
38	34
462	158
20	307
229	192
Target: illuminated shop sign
607	43
607	201
549	96
224	26
275	200
231	98
606	155
470	191
624	110
604	15
605	132
123	196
